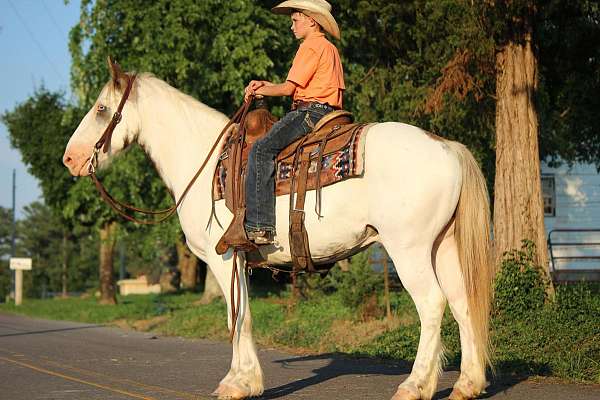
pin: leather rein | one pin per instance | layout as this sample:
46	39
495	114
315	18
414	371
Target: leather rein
104	143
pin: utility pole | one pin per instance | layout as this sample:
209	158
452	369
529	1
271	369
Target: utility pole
14	229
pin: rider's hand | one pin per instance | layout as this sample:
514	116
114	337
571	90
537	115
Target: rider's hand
251	88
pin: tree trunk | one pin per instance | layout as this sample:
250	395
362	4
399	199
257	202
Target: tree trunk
211	288
187	263
65	255
518	208
386	288
107	250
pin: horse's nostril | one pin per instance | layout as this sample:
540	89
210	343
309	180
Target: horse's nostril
67	160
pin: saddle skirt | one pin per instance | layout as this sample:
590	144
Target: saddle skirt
335	143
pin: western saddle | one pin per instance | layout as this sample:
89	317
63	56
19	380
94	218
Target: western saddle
332	133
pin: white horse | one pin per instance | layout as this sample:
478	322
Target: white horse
422	197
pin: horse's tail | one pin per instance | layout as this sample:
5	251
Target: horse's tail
472	233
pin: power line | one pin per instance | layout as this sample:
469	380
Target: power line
41	49
58	29
62	34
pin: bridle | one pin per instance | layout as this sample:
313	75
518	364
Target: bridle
104	143
120	207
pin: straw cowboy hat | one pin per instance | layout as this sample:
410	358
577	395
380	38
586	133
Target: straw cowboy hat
319	10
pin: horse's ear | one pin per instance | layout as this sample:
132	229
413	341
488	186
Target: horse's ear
119	78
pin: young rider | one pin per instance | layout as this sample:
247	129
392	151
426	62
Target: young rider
316	83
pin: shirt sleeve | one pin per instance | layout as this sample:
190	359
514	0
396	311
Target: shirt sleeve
304	66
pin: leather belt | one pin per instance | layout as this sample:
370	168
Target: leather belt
301	103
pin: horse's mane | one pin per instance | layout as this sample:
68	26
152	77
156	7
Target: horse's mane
182	100
193	122
188	106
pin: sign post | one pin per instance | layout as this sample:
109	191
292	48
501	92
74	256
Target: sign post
19	265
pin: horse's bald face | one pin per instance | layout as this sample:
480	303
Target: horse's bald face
92	126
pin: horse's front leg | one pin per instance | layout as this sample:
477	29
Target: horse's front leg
245	378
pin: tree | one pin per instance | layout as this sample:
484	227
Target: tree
187	263
518	207
569	61
5	245
495	52
401	56
128	177
5	231
207	49
437	64
108	293
212	290
39	129
40	235
530	37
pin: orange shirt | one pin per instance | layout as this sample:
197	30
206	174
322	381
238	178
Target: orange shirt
317	70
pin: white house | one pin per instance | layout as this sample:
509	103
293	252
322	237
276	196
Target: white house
572	219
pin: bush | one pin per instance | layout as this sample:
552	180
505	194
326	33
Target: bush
4	280
519	286
578	299
534	337
356	286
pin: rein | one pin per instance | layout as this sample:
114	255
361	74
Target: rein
120	207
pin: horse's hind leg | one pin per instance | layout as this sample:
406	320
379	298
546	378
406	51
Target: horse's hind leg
415	270
472	374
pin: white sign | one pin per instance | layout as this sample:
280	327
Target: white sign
20	263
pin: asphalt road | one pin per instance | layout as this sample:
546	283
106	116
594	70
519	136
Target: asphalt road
42	359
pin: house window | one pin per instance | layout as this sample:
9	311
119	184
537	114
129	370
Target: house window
549	195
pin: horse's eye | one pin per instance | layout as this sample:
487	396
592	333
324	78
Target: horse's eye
101	108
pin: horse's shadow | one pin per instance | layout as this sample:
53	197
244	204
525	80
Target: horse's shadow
340	365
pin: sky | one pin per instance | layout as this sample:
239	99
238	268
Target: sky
34	52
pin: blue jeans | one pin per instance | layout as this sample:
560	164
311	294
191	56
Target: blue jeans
260	177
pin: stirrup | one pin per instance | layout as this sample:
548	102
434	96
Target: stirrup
261	236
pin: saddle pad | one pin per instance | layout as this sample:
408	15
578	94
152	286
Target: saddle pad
337	165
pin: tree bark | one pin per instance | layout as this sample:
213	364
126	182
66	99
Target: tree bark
107	250
212	290
518	207
386	288
65	255
187	263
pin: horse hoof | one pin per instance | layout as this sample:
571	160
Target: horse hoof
403	394
458	395
226	392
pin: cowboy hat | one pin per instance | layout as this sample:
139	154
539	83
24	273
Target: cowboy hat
319	10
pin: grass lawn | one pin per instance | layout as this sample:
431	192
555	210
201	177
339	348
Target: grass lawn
557	340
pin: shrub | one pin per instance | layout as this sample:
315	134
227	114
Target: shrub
578	299
519	286
358	289
357	285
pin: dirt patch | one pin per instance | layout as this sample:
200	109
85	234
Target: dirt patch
146	325
121	323
345	334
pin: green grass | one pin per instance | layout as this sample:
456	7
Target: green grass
560	340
